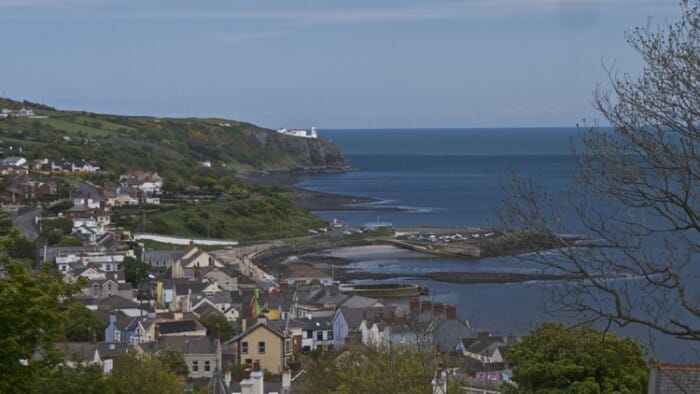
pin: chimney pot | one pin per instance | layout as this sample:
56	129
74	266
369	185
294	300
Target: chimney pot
414	305
451	312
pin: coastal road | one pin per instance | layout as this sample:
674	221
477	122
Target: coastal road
25	222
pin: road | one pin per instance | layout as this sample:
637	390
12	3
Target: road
26	224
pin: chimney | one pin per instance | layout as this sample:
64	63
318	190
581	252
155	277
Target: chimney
451	312
246	383
257	377
286	380
426	306
481	335
438	310
414	305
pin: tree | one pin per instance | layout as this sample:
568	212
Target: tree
174	361
554	358
82	325
32	310
371	370
218	326
636	192
145	374
134	270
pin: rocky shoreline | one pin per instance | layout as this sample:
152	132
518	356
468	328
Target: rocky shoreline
314	200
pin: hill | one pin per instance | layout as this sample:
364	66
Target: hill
199	200
122	143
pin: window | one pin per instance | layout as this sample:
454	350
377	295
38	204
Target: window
207	366
309	334
195	366
319	335
261	347
249	361
117	336
286	346
244	347
329	335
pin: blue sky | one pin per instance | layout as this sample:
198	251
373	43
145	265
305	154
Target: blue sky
333	64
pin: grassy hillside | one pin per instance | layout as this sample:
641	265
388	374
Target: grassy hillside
121	143
174	148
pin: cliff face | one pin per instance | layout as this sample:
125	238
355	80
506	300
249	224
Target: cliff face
297	153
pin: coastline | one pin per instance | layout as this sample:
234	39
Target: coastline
332	260
312	200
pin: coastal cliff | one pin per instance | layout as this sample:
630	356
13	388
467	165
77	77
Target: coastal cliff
296	153
120	143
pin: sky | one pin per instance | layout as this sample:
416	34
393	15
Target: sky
326	63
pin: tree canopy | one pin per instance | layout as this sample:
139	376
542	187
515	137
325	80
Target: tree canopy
32	312
554	358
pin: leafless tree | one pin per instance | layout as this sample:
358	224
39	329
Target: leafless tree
636	192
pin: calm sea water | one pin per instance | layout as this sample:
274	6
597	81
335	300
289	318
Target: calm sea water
459	177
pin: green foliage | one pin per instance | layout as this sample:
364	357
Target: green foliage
83	325
5	223
554	358
370	370
70	241
19	247
144	374
32	310
254	217
87	379
134	270
218	326
173	361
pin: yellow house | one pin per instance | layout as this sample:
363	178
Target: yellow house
264	343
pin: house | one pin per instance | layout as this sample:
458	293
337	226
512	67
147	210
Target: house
674	379
116	325
348	320
202	353
222	276
149	183
193	259
317	333
485	348
161	259
14	161
117	303
264	343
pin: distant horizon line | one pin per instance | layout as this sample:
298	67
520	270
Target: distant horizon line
341	128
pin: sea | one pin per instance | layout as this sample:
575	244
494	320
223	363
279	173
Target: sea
460	178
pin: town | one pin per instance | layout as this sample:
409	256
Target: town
232	321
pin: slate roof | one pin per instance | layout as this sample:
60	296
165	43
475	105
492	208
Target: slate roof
354	316
79	351
476	345
177	326
186	345
157	256
116	302
672	379
270	327
112	350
